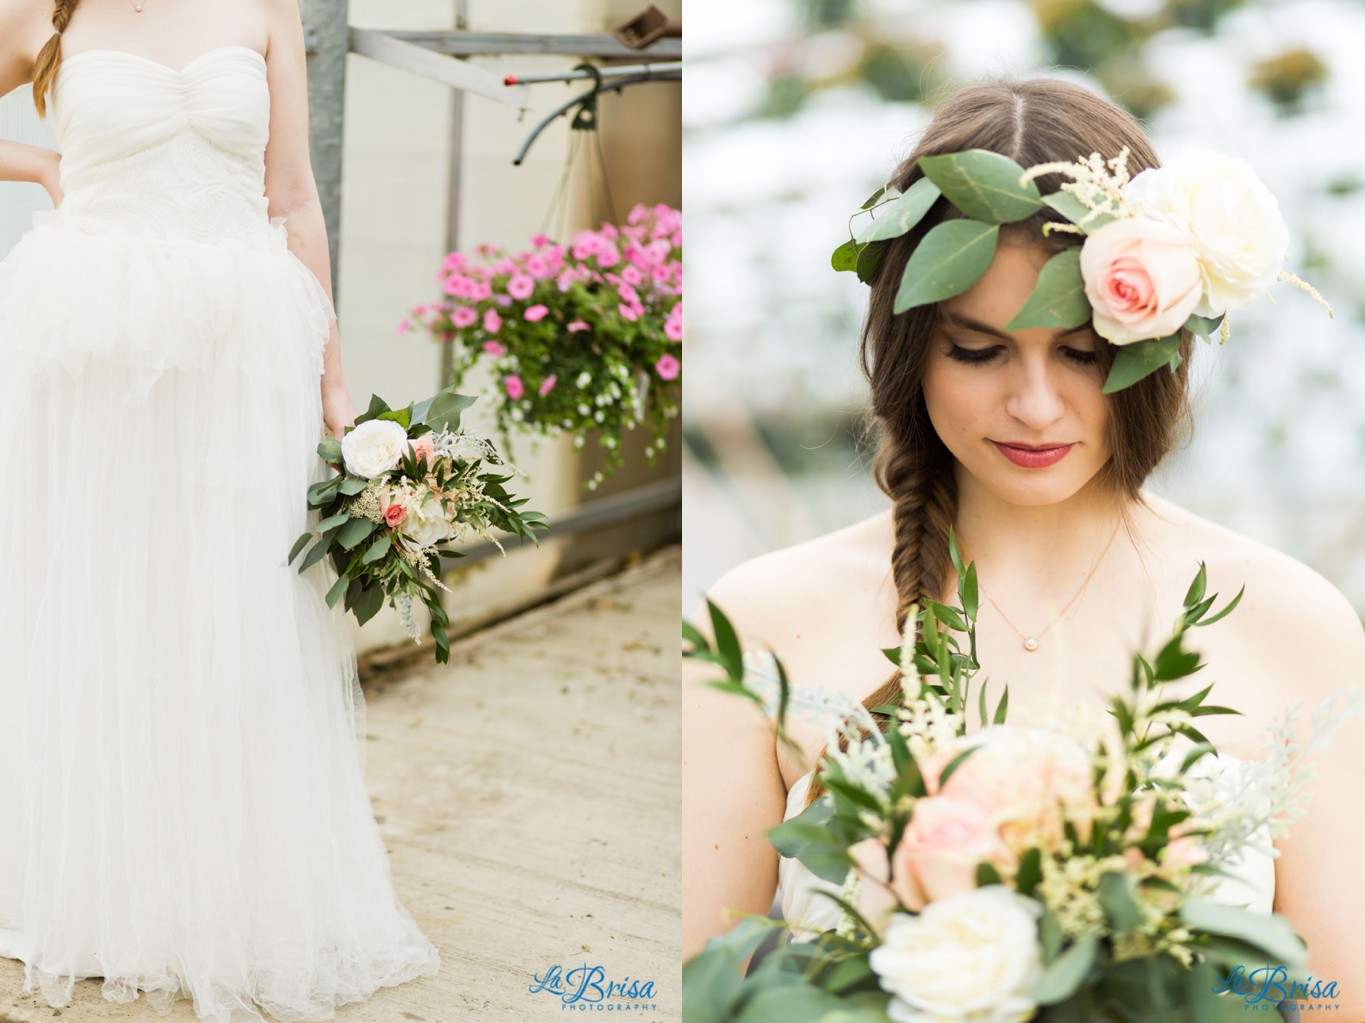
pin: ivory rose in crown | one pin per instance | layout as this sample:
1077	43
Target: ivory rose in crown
973	957
374	447
1240	238
1142	279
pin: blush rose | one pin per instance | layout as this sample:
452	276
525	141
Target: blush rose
1142	279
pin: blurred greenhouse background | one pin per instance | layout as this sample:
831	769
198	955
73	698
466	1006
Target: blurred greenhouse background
795	110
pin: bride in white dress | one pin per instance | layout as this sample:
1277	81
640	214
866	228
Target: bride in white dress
1079	566
183	810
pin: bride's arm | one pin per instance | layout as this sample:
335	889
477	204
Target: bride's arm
732	790
292	189
1318	881
19	161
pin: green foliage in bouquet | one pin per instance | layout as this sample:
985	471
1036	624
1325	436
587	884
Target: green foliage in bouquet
1119	937
387	528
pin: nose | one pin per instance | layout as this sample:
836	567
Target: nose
1035	397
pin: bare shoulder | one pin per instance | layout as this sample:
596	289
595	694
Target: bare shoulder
776	599
1290	617
25	26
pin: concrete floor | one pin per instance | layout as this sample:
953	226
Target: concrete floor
528	793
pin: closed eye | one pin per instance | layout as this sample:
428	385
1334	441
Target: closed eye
973	355
1080	357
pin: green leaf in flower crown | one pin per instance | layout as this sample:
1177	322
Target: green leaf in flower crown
869	258
845	257
902	214
1058	299
983	185
1204	326
1272	933
1141	359
442	410
949	260
1075	211
876	197
1067	972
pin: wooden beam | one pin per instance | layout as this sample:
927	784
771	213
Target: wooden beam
429	63
598	47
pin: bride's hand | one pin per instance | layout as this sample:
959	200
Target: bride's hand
337	411
50	178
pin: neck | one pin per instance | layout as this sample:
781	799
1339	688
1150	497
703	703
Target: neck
1035	545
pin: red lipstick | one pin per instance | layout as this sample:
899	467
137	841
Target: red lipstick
1033	457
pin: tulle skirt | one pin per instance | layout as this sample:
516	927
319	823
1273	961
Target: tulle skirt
182	801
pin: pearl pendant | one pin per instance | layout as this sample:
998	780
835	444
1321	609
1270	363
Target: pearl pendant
138	8
1030	644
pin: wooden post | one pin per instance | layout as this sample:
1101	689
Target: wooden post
327	37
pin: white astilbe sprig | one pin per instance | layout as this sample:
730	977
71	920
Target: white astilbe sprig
928	726
823	707
1247	805
1098	184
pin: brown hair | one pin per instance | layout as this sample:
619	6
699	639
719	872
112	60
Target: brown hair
50	56
1033	121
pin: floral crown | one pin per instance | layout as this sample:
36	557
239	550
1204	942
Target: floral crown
1171	249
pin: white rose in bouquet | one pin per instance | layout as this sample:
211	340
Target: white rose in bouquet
425	523
972	957
1239	234
374	447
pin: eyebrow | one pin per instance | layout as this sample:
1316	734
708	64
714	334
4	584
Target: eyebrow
968	323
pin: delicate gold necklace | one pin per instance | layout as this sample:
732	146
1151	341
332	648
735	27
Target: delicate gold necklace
1031	641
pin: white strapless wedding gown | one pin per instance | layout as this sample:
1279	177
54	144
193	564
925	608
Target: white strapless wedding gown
183	808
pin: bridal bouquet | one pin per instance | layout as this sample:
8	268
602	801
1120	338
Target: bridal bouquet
1025	875
581	337
410	482
1169	251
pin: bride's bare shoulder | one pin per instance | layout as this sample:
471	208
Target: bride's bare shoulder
774	598
1288	608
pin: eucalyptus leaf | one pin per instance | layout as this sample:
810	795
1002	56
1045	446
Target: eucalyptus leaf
983	185
353	485
354	531
901	215
316	554
1271	933
1075	211
1067	972
368	603
330	450
377	549
298	547
1058	299
948	260
869	258
1204	326
1118	901
338	588
331	522
1140	359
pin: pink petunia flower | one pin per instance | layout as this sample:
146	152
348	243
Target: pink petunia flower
547	385
404	325
673	325
538	267
521	286
627	312
494	349
576	326
539	241
463	316
667	367
536	313
515	388
492	323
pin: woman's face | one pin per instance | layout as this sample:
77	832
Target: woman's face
1021	411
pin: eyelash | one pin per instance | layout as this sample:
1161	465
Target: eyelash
978	356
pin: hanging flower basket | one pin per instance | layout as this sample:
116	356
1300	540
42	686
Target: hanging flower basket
582	338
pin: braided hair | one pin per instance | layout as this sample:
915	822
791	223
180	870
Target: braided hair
50	56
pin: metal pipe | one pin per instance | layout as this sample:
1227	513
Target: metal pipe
645	71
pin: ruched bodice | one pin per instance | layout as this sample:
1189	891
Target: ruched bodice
164	151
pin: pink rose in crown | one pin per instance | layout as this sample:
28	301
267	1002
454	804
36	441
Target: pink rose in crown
1142	279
